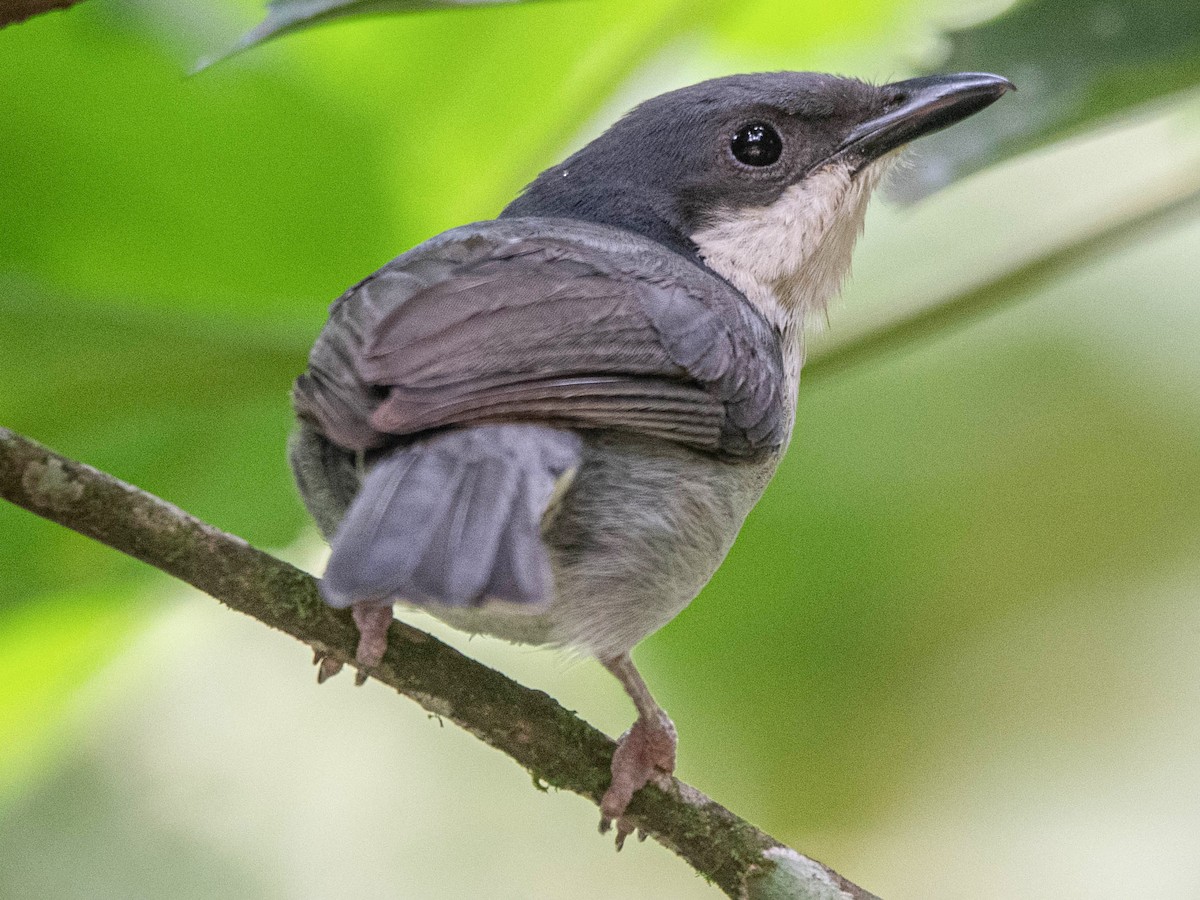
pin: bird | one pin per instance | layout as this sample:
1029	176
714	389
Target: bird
550	426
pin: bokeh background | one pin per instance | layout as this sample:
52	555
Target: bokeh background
956	651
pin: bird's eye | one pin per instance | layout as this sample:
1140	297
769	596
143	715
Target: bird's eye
757	144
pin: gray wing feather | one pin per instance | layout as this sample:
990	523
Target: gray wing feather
536	321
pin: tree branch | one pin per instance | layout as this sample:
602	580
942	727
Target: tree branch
556	747
13	11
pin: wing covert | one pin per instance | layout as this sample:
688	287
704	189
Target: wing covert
495	323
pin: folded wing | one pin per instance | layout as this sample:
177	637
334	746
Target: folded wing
495	324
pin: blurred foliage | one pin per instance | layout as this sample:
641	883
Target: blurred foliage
168	247
48	652
1073	63
291	15
909	529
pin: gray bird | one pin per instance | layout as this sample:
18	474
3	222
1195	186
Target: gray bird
550	426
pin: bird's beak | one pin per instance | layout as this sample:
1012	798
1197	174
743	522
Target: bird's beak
921	106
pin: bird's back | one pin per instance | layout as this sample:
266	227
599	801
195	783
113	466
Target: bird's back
625	525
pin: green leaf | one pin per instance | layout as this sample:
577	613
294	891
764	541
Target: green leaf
1075	63
248	198
292	15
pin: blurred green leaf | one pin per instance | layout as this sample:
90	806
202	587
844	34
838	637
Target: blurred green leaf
91	841
1075	63
464	139
192	409
292	15
870	38
125	181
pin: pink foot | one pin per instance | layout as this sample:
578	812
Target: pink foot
645	755
373	621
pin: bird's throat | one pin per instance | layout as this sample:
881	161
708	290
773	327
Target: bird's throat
790	258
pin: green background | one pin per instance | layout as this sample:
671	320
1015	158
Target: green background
953	654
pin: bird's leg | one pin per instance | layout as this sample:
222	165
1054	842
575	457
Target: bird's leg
373	620
645	754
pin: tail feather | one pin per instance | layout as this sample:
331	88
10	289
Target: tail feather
454	520
458	561
522	568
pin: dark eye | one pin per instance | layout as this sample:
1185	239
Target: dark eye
757	144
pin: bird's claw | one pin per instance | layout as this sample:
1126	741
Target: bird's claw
645	755
327	666
625	827
373	621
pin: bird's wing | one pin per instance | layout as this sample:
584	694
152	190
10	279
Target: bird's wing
512	327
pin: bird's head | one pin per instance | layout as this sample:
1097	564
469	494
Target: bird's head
764	178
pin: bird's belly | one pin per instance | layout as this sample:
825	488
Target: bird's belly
639	532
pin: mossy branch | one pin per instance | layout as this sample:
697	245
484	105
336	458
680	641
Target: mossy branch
554	745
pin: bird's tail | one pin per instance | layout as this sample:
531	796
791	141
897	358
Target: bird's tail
454	519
